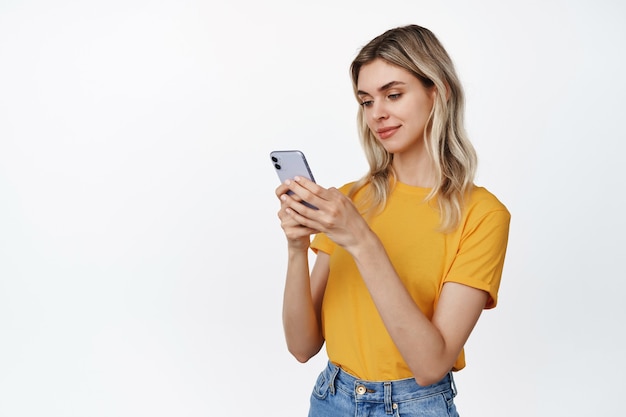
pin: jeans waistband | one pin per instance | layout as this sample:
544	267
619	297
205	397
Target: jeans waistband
384	391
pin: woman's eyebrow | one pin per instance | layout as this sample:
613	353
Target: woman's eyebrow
385	87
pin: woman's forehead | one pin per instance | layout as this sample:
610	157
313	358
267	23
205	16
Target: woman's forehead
378	73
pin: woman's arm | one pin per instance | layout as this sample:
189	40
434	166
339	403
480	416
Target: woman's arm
302	305
429	348
302	300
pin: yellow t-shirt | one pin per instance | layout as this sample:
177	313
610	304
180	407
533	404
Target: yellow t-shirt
356	338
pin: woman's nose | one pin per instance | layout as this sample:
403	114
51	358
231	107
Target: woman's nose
380	111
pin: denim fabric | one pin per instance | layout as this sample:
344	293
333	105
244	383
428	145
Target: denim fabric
338	394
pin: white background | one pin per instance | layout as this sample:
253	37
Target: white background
141	260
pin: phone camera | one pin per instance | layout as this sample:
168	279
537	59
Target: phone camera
277	166
274	159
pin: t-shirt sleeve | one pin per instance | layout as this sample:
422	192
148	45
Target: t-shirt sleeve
480	257
321	242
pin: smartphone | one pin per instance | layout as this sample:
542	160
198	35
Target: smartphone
289	164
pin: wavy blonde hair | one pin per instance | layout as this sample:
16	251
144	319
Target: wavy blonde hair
417	50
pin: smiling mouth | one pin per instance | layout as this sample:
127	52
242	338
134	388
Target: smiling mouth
387	132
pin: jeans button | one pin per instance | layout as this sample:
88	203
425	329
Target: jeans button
360	390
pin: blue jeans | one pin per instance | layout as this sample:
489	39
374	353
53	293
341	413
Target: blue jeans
339	394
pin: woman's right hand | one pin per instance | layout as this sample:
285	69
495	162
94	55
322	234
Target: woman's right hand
298	236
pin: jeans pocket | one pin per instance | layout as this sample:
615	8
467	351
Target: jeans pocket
449	397
320	390
436	405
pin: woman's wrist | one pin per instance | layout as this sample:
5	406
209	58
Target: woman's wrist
365	246
298	248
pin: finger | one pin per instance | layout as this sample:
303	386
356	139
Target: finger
290	205
281	189
298	204
285	190
310	195
304	217
290	224
309	185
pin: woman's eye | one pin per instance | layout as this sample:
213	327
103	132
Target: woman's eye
367	103
394	96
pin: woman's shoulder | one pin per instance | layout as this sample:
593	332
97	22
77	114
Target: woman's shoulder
483	201
485	217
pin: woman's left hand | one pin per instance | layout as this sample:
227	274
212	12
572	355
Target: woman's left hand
335	215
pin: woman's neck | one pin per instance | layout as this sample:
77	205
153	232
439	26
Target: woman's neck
415	169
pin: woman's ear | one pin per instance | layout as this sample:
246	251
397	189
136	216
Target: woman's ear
435	91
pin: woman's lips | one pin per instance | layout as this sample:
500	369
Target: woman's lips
387	132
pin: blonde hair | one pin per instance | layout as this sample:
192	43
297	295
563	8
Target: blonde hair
417	50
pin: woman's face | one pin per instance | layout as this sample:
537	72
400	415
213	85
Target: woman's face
396	105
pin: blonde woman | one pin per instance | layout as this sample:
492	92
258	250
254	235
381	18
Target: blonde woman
408	256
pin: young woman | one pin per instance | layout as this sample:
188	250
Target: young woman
408	256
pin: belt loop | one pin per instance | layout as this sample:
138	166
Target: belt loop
452	385
333	376
387	394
